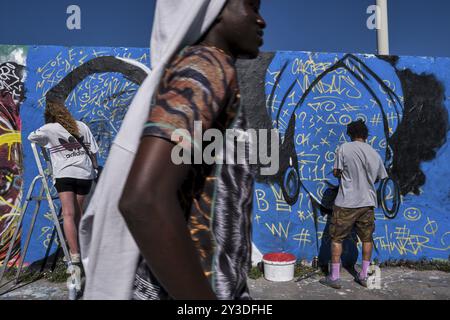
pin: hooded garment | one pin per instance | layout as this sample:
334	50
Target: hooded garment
109	253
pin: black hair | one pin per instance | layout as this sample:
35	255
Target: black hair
357	129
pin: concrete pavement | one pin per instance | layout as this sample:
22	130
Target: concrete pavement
396	283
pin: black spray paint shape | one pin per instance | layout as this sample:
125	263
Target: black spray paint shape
11	80
103	64
62	90
423	130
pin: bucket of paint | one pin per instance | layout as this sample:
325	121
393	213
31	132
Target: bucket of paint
279	266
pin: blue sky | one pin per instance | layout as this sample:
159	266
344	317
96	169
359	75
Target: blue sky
417	27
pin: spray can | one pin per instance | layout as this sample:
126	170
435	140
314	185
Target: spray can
315	262
71	283
72	290
374	278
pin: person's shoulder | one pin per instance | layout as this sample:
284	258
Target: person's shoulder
351	146
50	126
83	126
368	148
209	54
208	60
343	146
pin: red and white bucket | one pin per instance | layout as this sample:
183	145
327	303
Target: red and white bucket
279	266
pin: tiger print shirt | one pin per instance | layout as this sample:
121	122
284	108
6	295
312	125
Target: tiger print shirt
199	85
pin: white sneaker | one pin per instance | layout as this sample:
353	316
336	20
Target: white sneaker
74	257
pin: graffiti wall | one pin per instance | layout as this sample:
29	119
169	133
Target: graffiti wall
12	93
310	98
97	84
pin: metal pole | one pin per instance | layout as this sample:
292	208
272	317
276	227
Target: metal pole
382	27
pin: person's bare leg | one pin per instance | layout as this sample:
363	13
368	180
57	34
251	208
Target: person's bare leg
367	248
336	252
79	208
333	279
69	224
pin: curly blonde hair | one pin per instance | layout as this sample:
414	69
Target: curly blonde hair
57	112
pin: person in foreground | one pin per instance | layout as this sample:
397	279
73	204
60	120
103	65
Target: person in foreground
170	208
358	167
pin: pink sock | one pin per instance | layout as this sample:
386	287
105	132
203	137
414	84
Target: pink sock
335	268
365	268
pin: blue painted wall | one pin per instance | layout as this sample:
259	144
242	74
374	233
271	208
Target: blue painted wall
100	100
421	227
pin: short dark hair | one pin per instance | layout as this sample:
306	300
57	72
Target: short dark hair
358	129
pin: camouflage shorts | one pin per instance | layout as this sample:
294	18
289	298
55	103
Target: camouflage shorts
344	219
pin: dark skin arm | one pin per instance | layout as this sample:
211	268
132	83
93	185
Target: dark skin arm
154	217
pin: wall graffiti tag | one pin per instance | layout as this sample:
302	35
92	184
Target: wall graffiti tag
310	98
96	84
12	77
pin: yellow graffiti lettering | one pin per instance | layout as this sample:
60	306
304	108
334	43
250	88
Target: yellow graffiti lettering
262	203
280	231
